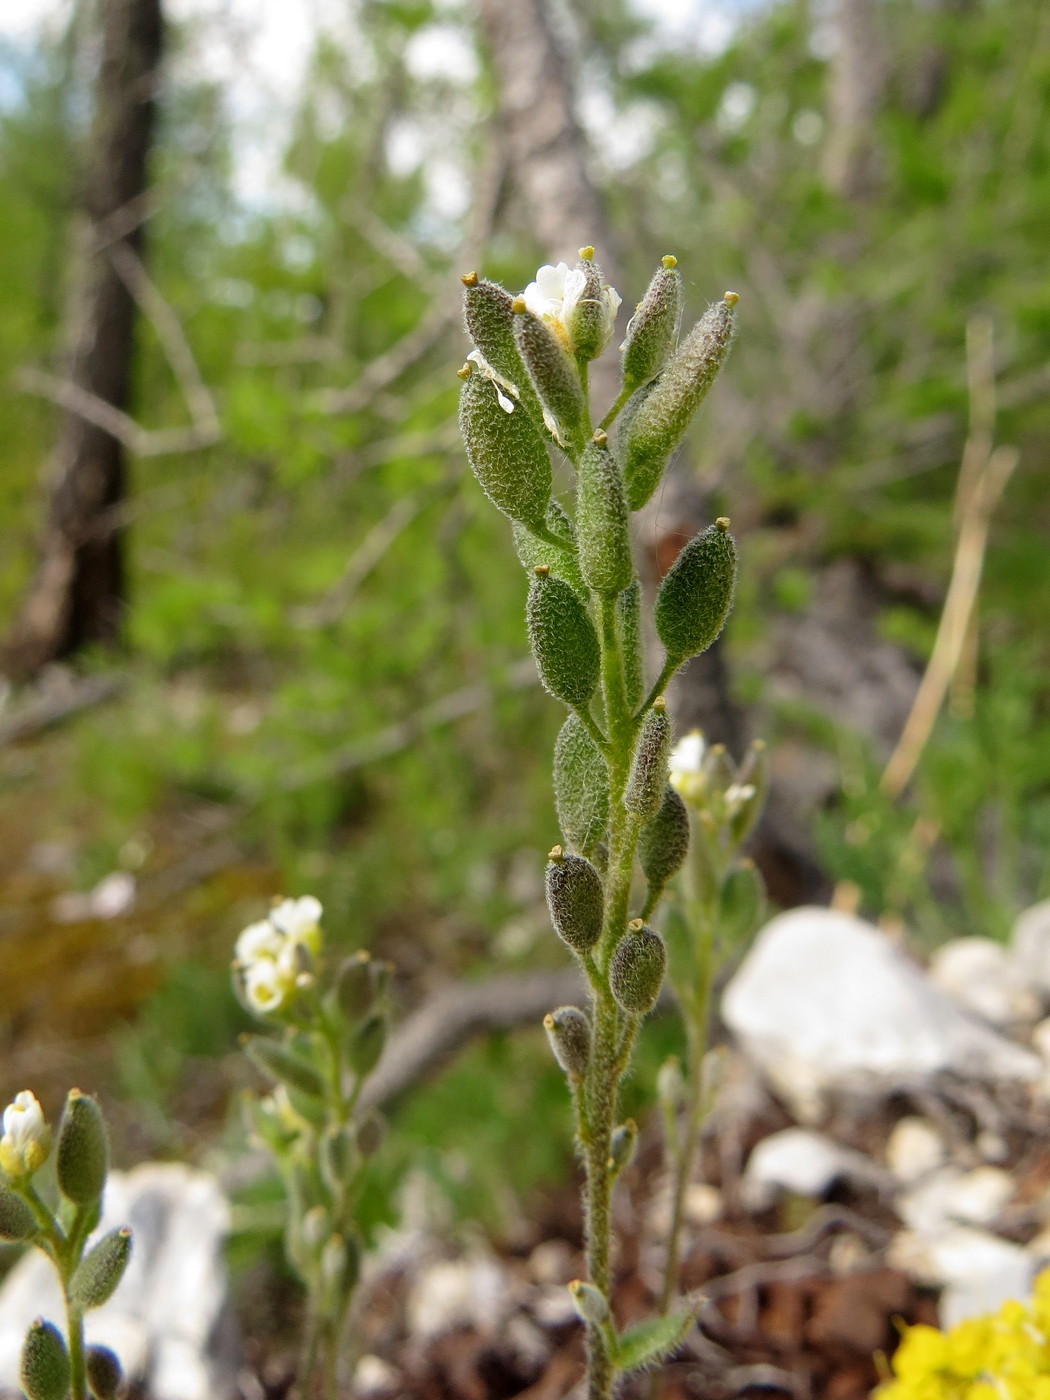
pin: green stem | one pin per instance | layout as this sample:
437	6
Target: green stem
670	667
587	720
75	1340
614	412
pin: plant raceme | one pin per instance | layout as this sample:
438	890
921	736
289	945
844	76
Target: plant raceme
54	1366
524	392
329	1029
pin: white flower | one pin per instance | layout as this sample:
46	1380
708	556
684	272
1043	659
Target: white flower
268	986
299	920
687	766
736	795
26	1139
269	955
506	392
261	940
557	293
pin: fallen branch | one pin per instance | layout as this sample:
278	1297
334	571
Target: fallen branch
59	703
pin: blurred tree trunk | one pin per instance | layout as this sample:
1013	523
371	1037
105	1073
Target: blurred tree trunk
77	594
857	76
545	146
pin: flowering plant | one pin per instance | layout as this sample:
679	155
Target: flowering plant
54	1367
525	390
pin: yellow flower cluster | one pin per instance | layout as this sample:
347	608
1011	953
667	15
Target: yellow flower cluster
1001	1356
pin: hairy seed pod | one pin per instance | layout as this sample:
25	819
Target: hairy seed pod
366	1046
581	787
489	318
104	1374
576	900
506	452
590	1304
563	640
355	985
101	1269
622	1145
697	593
562	563
16	1219
629	627
647	779
44	1368
602	520
552	372
590	323
638	967
660	422
652	333
82	1156
285	1065
664	841
569	1033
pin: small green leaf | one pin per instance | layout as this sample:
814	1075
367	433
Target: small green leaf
651	1340
284	1065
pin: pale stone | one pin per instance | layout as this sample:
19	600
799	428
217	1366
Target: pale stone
913	1149
802	1162
982	977
163	1320
703	1203
1030	944
977	1271
458	1293
374	1376
951	1197
824	1003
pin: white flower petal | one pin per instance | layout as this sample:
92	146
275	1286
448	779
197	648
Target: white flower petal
261	940
687	756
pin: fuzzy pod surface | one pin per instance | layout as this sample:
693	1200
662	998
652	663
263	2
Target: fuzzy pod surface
602	520
664	841
44	1367
696	593
638	967
505	451
569	1033
104	1374
561	562
652	332
622	1145
488	315
587	327
366	1045
101	1269
284	1065
16	1219
629	629
355	988
82	1154
553	374
581	786
576	900
659	425
647	779
563	640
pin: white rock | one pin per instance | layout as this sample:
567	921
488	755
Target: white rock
374	1376
950	1197
914	1149
703	1203
824	1002
802	1162
458	1293
981	975
162	1319
1030	944
977	1271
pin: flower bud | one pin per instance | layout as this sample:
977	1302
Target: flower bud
647	780
581	786
506	452
16	1219
753	774
638	967
592	316
697	593
552	372
622	1145
629	625
652	332
101	1269
564	642
670	1085
569	1033
283	1064
44	1369
26	1140
82	1155
602	520
660	423
576	900
664	841
366	1046
104	1374
591	1305
562	563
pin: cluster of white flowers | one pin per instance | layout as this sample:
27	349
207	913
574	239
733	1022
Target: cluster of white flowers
269	956
557	293
26	1139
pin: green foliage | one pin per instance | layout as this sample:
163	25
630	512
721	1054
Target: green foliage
581	786
563	640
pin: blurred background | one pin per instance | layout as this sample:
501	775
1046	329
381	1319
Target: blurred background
262	633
